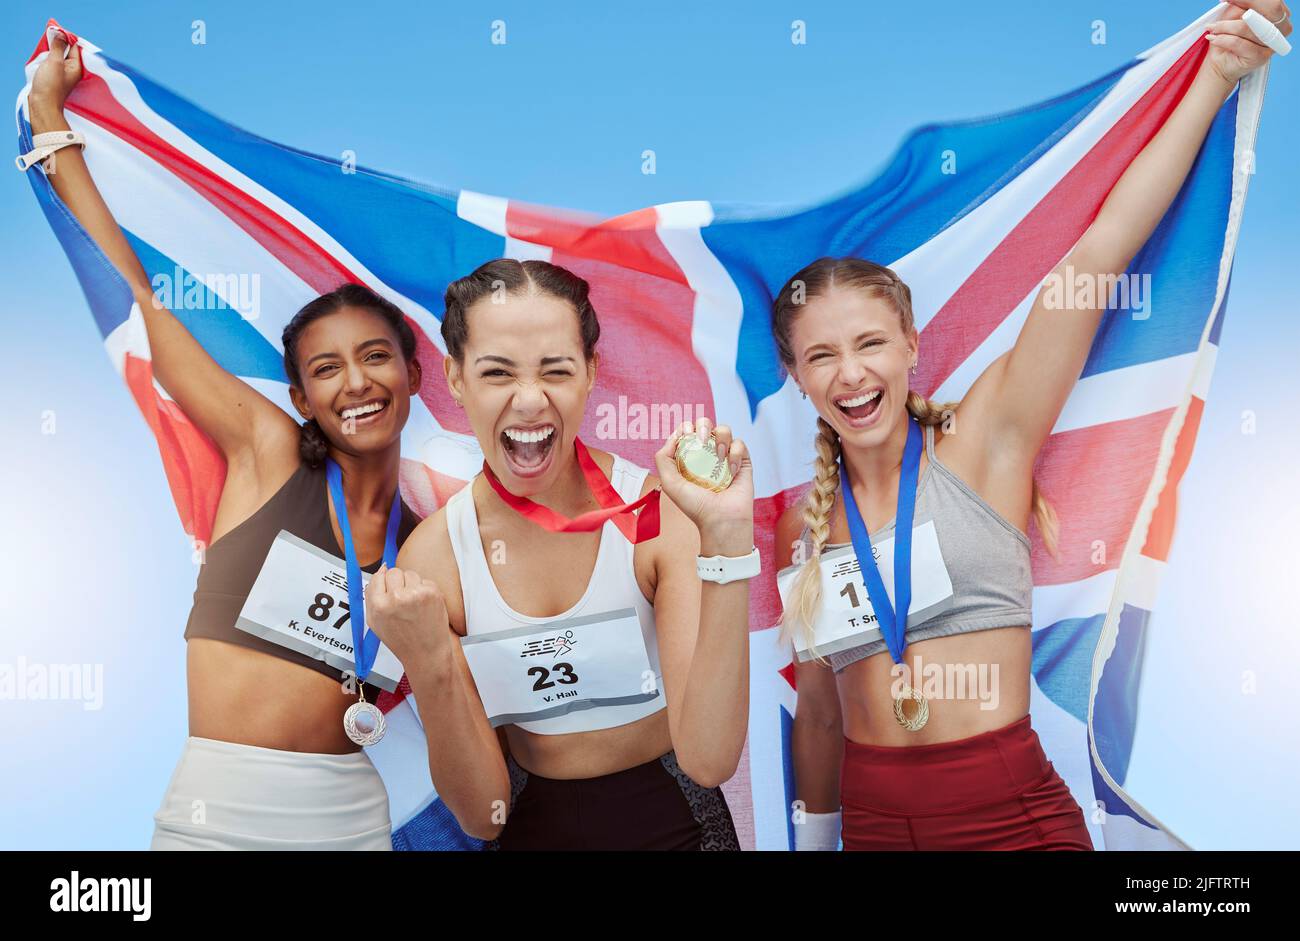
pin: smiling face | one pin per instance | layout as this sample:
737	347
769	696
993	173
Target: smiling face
355	382
851	356
524	383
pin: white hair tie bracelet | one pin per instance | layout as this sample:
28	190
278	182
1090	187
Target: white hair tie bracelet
45	144
1266	32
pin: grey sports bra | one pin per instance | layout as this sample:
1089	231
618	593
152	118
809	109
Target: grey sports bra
987	560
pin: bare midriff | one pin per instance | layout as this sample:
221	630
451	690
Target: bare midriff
251	698
982	679
591	754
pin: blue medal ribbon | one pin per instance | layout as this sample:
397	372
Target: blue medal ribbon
366	647
892	620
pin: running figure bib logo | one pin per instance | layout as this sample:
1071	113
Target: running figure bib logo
300	601
540	671
846	619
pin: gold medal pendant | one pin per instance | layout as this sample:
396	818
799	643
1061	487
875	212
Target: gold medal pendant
919	711
699	463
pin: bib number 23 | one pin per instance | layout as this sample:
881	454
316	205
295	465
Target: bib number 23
562	672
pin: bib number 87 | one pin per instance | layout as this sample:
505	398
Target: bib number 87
564	676
320	611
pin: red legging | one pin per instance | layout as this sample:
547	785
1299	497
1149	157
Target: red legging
992	791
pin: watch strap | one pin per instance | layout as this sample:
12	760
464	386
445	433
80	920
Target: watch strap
723	569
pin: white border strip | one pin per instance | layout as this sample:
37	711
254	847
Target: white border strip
1130	584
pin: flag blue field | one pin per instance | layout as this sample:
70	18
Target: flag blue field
243	231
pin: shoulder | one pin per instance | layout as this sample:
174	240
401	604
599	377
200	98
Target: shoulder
257	473
429	546
973	436
612	465
429	553
274	455
615	465
409	524
671	554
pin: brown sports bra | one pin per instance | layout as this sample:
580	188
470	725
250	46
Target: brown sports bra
232	563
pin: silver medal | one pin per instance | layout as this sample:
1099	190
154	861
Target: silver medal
364	723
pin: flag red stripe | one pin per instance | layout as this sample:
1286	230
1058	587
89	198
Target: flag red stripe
195	468
1095	478
628	241
1160	535
93	100
1045	235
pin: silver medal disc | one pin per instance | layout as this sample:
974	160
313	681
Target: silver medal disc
364	723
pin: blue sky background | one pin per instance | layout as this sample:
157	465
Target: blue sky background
560	115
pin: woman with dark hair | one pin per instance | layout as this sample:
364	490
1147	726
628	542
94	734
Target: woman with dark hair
588	668
925	506
269	763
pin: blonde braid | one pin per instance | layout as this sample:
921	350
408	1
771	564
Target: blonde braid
806	593
927	412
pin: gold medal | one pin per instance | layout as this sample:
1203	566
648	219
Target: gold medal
919	713
699	463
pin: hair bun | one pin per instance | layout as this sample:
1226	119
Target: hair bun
312	444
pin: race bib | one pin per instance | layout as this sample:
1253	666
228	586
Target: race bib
300	601
536	672
847	619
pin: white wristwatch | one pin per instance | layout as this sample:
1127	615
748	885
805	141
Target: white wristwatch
724	568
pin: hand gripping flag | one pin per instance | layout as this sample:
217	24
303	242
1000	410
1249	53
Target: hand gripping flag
243	231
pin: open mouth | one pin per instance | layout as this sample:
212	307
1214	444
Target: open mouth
529	449
861	407
366	412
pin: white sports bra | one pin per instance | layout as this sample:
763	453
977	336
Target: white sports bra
613	588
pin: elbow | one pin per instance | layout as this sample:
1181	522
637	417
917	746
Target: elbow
481	830
480	812
711	780
480	826
709	773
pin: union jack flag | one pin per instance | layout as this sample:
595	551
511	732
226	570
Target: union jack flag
684	292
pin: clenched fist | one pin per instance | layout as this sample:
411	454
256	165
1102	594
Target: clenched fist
408	614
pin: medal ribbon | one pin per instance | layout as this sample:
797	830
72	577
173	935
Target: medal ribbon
637	528
365	647
893	623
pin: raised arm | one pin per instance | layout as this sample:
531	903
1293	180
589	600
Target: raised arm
408	611
1020	397
241	421
703	626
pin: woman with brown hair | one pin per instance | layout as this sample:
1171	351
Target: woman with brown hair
273	759
583	670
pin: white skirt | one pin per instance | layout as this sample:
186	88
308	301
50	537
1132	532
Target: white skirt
227	796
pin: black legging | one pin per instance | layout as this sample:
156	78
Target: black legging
653	806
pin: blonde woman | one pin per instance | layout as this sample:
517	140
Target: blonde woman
948	772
